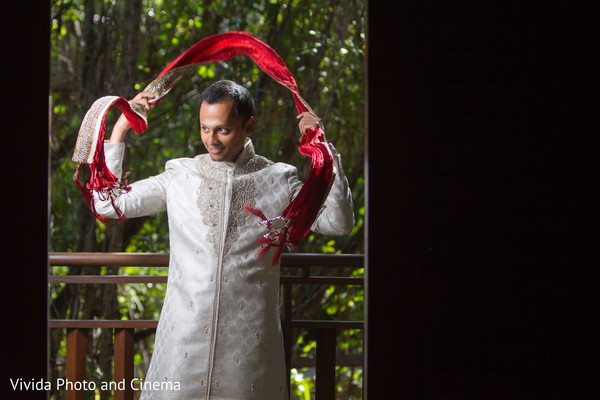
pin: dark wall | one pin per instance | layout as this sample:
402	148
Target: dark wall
483	234
25	81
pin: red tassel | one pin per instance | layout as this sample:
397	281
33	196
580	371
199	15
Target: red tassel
254	211
262	252
88	197
279	249
273	238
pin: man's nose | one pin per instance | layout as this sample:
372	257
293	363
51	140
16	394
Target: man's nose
212	138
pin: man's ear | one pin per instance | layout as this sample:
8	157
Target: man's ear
250	126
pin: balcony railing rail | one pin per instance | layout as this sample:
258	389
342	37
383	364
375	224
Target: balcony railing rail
326	331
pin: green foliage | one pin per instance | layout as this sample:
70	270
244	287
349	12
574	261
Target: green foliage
141	300
302	385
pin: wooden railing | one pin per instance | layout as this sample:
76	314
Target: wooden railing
326	331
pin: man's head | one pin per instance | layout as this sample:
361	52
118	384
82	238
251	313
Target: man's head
222	91
226	119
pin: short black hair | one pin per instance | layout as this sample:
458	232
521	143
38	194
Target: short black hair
218	92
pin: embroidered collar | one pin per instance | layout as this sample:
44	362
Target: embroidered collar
240	162
245	155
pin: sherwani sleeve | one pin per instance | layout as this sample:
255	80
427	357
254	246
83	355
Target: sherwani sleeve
337	214
146	197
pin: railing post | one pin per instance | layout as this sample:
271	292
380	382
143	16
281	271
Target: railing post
287	330
123	374
326	344
76	355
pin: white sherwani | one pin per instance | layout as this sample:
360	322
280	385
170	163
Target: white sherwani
219	333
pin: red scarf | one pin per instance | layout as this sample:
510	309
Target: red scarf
298	216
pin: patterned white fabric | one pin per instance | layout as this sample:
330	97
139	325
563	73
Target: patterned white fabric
219	334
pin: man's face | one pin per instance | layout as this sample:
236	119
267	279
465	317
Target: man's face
222	134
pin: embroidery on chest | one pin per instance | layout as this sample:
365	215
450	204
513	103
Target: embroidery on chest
243	192
212	197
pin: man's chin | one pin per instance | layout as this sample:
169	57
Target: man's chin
216	156
219	157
